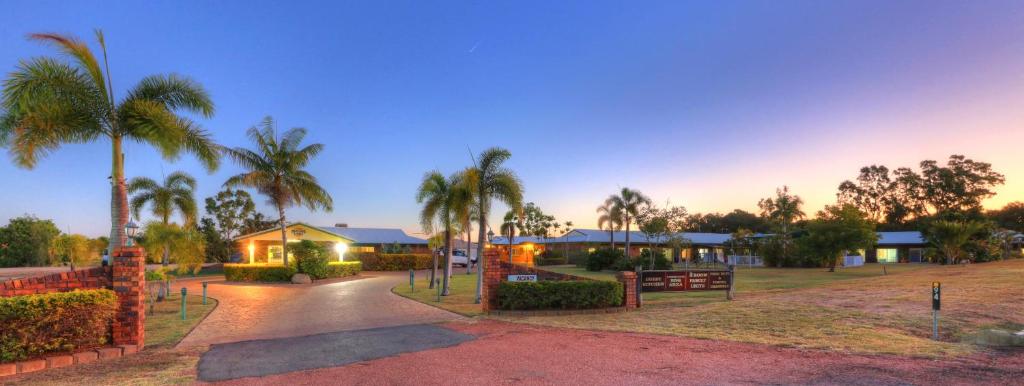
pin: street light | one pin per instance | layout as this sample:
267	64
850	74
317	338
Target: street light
129	230
490	235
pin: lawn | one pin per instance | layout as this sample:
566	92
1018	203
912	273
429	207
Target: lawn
164	326
462	297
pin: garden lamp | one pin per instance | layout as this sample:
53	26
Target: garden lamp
129	230
490	236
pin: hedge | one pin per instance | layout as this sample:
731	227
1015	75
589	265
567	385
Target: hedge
258	272
33	325
395	261
343	268
559	295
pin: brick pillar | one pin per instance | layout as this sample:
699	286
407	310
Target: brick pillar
628	280
494	272
129	281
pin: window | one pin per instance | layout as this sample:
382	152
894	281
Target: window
887	255
361	249
916	255
274	255
591	250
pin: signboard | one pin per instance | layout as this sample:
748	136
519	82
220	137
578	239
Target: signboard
656	281
936	295
517	278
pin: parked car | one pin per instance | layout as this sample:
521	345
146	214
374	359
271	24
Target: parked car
459	258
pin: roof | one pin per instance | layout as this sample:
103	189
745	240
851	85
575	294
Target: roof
375	235
600	236
356	235
896	238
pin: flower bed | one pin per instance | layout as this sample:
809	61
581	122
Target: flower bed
33	325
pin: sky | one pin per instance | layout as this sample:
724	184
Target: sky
708	105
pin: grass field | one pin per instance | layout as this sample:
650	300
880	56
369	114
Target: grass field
862	309
164	326
460	300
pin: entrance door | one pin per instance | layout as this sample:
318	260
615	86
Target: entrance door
274	255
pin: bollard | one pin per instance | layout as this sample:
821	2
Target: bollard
437	284
184	291
204	293
412	280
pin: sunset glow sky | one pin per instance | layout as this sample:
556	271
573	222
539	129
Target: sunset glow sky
710	105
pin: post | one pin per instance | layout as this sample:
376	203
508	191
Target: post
412	280
128	281
639	285
204	293
731	293
184	291
936	305
437	283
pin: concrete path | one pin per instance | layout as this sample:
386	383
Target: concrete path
258	358
265	311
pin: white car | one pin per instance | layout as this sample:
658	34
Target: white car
459	258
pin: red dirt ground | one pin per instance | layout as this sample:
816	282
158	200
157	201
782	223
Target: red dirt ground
514	353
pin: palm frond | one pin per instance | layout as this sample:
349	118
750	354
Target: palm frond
139	184
139	201
180	180
77	50
174	92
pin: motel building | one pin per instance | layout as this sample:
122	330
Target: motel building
264	247
892	247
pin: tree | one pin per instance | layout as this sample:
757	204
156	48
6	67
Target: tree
185	245
444	201
711	222
1010	216
783	209
663	226
959	186
535	222
493	182
509	224
218	248
609	218
629	202
740	219
838	229
26	241
949	237
231	208
871	193
275	169
50	102
71	249
255	223
174	195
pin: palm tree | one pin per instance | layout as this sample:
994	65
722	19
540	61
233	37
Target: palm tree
493	181
610	218
50	102
783	209
275	169
949	237
509	224
174	195
628	203
445	201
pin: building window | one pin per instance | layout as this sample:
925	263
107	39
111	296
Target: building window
887	255
361	249
274	255
591	250
916	255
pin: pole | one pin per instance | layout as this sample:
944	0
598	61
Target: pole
936	305
204	293
732	282
437	283
639	286
412	280
184	291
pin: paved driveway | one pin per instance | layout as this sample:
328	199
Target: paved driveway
263	311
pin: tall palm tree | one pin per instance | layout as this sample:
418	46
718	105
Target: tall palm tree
493	181
50	102
445	201
609	218
628	203
783	209
174	195
275	169
509	224
949	237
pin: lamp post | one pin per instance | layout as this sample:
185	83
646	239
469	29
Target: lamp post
130	229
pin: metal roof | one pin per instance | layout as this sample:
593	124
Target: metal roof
600	236
375	235
896	238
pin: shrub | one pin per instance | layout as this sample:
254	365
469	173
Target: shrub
660	262
155	275
603	258
62	321
578	258
394	262
343	268
550	257
559	295
310	258
258	272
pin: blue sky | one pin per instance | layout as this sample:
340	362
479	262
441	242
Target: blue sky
710	105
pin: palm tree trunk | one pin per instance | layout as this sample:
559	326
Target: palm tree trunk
611	238
118	198
481	239
446	288
167	251
469	246
627	239
284	236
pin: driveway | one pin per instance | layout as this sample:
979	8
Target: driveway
265	311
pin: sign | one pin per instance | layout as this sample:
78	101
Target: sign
936	295
518	278
298	232
656	281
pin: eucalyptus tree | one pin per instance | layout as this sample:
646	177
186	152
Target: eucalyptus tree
174	195
445	201
783	209
493	182
51	102
628	203
276	170
609	218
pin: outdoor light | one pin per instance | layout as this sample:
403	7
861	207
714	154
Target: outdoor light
490	235
341	248
129	230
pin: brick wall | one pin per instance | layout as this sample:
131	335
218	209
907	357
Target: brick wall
92	278
628	280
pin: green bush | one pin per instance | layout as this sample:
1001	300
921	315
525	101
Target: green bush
604	258
310	258
394	262
156	275
550	257
258	272
559	295
578	258
33	325
343	268
660	262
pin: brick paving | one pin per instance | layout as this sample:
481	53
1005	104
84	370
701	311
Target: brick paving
264	311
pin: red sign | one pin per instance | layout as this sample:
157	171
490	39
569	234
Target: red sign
654	281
